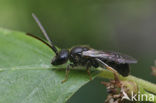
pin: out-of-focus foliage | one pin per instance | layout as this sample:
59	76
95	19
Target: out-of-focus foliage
122	26
154	70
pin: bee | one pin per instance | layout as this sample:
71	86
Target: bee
87	57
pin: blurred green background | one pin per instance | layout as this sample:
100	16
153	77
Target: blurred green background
126	26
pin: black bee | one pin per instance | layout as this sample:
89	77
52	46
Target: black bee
88	57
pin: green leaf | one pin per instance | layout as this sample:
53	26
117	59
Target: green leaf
26	73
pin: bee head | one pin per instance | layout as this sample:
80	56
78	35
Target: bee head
61	57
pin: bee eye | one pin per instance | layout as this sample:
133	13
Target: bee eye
61	58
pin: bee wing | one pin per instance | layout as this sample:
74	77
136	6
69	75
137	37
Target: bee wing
109	56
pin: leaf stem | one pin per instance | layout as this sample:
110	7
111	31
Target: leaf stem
148	86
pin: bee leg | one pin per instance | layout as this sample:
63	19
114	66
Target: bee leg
114	71
116	75
67	73
88	71
108	67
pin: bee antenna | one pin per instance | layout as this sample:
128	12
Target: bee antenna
44	33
